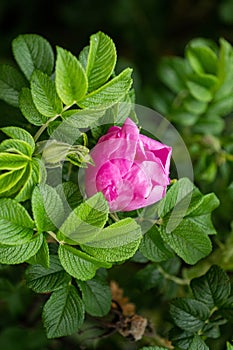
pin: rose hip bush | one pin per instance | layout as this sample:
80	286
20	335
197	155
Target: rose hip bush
131	170
135	219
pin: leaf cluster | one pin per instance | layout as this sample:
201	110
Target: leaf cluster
85	245
201	317
70	242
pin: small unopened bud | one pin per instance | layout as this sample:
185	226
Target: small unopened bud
55	152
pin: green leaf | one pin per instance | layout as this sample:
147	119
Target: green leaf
44	95
70	78
70	194
189	314
172	71
64	132
149	277
19	134
117	242
20	253
229	346
213	288
10	181
118	234
63	313
179	192
9	161
110	93
153	247
96	296
184	117
186	220
180	338
225	70
198	343
16	226
42	256
31	52
202	59
221	107
85	221
83	56
36	175
82	118
199	92
45	280
188	242
196	107
211	124
47	208
11	83
101	60
79	264
29	109
16	146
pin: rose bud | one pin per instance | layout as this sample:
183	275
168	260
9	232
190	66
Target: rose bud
131	170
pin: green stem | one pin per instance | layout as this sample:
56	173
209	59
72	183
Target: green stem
67	107
114	217
177	280
52	234
43	127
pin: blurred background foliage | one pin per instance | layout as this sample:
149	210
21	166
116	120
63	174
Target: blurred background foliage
144	32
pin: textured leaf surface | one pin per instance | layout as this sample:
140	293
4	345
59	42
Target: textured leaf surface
44	95
45	280
101	60
71	79
47	208
29	109
186	220
20	253
70	194
213	288
83	118
19	134
11	83
96	295
118	234
63	313
16	226
110	93
188	242
35	176
189	314
84	222
42	256
32	52
153	247
116	242
10	181
79	264
9	161
16	146
198	343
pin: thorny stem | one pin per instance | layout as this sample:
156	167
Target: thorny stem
175	279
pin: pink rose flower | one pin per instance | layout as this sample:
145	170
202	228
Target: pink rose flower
131	170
